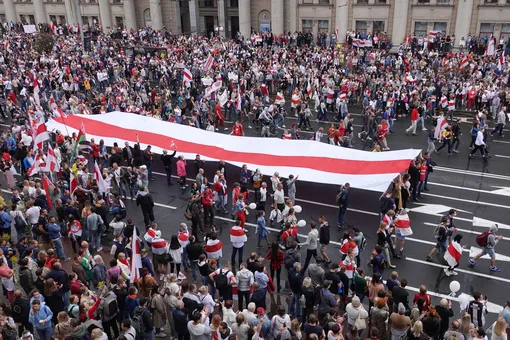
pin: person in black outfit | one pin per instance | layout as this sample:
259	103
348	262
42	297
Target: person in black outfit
400	294
198	164
259	296
20	309
194	249
146	203
414	172
456	136
444	310
166	159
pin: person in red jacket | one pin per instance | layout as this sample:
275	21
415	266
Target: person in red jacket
237	129
414	121
382	133
207	202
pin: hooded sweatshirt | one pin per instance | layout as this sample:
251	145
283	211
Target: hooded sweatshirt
244	279
492	239
199	332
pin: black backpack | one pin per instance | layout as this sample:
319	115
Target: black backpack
138	325
19	223
221	280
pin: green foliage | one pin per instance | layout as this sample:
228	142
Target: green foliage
43	43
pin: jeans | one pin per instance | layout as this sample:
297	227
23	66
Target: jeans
446	142
431	146
168	170
59	248
498	128
185	260
65	297
342	210
149	169
243	296
194	265
44	334
295	307
234	252
95	239
361	296
309	254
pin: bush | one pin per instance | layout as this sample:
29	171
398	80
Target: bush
43	43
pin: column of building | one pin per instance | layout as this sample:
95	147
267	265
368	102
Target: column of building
293	16
105	15
10	11
341	19
156	14
194	16
71	12
245	18
463	22
277	16
39	12
129	14
222	17
399	21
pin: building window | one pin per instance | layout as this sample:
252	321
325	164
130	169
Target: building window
362	2
308	1
207	3
307	25
2	18
420	28
378	27
441	26
95	20
505	32
324	2
119	22
117	1
381	1
85	20
491	2
443	2
53	19
486	29
62	19
234	3
323	26
424	1
361	26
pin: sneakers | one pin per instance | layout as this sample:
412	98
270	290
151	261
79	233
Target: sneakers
456	151
447	272
454	273
473	263
393	266
99	249
494	269
430	259
449	153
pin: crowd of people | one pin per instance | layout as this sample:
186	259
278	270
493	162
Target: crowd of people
111	298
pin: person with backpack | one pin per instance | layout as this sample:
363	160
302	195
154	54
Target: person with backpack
342	199
109	310
488	240
441	236
98	271
223	279
142	321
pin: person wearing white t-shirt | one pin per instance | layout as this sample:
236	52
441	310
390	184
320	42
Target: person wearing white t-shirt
225	293
279	197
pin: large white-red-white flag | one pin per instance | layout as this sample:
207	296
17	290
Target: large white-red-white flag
136	258
41	135
209	62
501	61
453	254
464	63
403	224
98	175
315	162
37	89
442	123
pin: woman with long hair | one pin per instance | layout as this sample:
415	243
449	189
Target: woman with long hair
416	332
382	240
374	287
499	331
62	327
431	323
466	325
53	297
175	250
146	282
275	257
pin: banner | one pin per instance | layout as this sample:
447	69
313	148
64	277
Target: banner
29	29
311	160
362	42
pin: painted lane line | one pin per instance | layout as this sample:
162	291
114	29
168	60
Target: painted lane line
432	264
503	191
500	141
472	173
482	222
462	230
468	201
502	156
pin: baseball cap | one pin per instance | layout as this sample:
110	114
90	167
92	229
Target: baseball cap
260	311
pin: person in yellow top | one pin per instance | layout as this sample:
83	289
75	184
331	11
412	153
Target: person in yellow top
447	139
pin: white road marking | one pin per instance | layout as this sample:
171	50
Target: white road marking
500	141
504	191
473	251
472	173
482	222
434	209
432	264
468	201
461	230
502	156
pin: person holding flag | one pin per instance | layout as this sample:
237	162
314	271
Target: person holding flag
402	226
453	255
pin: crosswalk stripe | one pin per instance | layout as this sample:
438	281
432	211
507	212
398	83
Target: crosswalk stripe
467	201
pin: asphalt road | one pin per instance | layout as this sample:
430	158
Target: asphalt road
479	190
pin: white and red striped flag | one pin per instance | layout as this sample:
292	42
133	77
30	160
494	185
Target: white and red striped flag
295	100
441	125
318	164
238	100
434	33
237	234
136	258
41	135
279	99
188	77
453	254
329	99
464	63
501	61
402	223
213	249
98	175
73	183
51	161
38	165
48	188
209	62
309	90
36	92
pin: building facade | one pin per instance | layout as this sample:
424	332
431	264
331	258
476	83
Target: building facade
227	17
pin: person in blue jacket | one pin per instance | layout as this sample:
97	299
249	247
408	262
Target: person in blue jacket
40	317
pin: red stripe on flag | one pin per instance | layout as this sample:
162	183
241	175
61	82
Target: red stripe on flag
454	252
332	165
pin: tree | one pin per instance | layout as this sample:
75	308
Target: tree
43	43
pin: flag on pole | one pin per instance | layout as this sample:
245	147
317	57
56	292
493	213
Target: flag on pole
51	161
136	258
464	63
441	125
101	183
238	101
73	183
38	165
48	187
501	61
36	92
209	63
82	138
188	77
309	90
41	135
223	98
453	254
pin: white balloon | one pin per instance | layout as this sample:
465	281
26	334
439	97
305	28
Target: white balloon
252	206
454	286
297	209
301	223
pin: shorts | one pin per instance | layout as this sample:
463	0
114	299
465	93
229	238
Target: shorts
322	248
442	246
490	252
400	237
